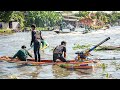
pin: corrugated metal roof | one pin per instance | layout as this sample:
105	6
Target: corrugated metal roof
70	19
71	16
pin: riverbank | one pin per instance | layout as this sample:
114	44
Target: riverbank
39	28
5	31
27	29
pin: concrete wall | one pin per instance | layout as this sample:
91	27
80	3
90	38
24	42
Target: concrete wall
15	25
4	25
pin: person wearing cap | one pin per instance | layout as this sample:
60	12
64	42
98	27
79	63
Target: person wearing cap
35	42
58	51
22	54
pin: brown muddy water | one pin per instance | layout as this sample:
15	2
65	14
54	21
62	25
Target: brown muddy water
10	44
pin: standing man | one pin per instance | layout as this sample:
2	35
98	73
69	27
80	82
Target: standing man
35	41
58	51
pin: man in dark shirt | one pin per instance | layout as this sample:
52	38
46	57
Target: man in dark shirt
58	52
22	54
36	42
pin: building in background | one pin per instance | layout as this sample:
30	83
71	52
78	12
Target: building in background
71	20
10	25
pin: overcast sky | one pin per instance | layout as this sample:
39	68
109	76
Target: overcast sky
95	11
91	11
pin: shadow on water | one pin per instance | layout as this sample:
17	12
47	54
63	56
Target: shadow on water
59	72
33	74
19	66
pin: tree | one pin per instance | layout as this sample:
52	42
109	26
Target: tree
18	16
43	18
5	15
82	14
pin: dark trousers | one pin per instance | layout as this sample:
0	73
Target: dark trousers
37	51
22	58
58	56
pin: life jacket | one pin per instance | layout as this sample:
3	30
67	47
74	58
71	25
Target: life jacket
59	49
37	35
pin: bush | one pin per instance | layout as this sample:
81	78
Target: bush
6	31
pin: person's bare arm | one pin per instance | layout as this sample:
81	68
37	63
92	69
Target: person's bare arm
64	50
64	54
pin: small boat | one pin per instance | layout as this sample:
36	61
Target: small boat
109	48
30	61
78	65
61	32
66	30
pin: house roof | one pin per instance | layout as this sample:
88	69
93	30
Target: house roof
70	16
70	19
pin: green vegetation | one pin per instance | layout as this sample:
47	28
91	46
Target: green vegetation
68	65
106	18
78	46
18	16
82	14
45	19
107	75
100	48
63	65
5	31
96	27
88	46
42	19
5	16
104	66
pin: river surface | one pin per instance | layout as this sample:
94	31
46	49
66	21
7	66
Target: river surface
10	44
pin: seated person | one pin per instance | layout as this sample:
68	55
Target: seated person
22	54
58	52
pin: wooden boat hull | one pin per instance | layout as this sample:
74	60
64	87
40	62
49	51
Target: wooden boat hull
78	65
69	65
30	61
